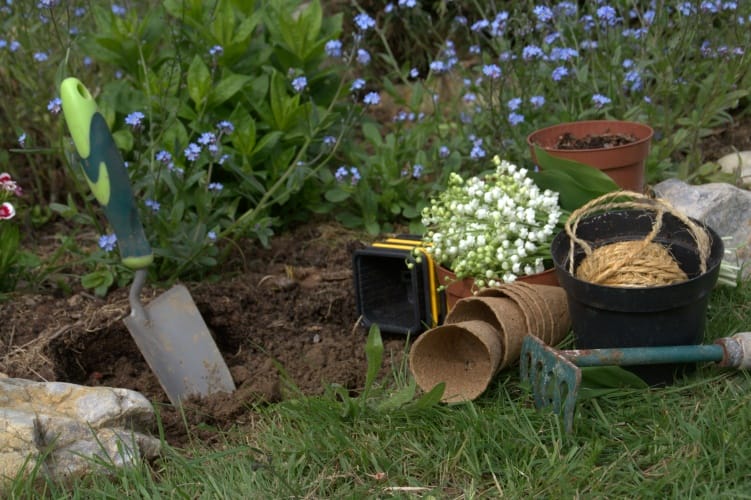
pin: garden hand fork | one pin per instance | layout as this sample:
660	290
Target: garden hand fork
555	376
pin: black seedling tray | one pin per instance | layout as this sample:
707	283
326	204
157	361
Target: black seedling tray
390	294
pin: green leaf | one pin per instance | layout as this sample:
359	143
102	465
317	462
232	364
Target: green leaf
312	19
207	261
349	220
176	136
336	195
10	237
99	280
399	398
223	24
610	377
430	398
279	101
588	176
374	355
199	80
417	227
65	211
571	194
372	134
267	142
227	88
244	138
246	28
410	212
575	182
123	139
418	94
177	212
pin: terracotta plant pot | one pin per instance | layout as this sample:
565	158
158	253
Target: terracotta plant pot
625	164
459	289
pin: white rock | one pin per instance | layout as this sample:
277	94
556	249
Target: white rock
65	428
738	162
723	207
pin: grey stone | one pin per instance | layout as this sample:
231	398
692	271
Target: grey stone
738	163
65	429
723	207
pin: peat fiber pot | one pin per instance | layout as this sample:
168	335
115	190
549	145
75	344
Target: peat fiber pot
465	356
625	164
460	289
608	315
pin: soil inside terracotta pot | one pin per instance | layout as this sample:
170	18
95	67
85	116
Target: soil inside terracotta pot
594	141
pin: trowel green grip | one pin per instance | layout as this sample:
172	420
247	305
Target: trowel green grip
105	172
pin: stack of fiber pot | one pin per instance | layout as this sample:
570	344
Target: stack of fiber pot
483	334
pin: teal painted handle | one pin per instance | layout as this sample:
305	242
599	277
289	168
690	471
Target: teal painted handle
105	172
629	356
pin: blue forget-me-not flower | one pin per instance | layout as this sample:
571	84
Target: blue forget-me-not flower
364	21
600	100
363	57
492	71
299	84
333	48
357	84
206	138
537	101
192	151
107	242
371	98
134	119
559	73
55	105
152	204
515	118
225	127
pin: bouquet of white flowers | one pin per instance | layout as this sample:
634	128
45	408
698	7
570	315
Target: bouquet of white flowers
493	228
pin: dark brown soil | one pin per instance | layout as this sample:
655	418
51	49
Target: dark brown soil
292	311
597	141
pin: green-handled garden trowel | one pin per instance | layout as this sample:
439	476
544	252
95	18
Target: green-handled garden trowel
169	331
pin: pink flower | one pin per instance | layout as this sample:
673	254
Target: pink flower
7	211
8	184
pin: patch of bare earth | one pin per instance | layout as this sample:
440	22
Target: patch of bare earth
289	313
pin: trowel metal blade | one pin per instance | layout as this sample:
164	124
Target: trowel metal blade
179	348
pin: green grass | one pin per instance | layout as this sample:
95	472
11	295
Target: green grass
688	440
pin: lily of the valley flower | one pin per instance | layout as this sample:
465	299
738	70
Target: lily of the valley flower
493	228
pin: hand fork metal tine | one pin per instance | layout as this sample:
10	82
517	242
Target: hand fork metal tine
554	379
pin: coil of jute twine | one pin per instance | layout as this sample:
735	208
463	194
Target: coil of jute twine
634	263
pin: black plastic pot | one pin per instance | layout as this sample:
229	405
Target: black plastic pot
606	316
